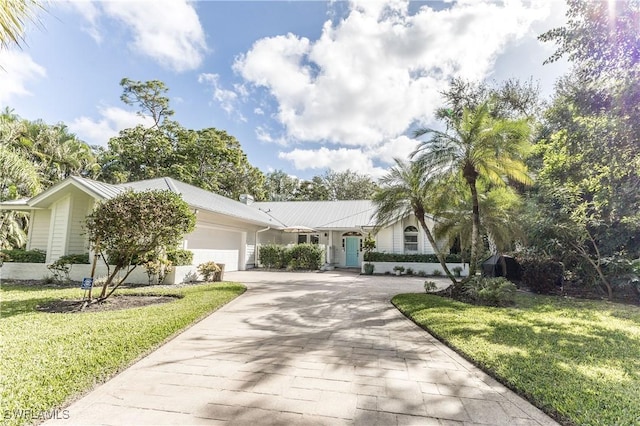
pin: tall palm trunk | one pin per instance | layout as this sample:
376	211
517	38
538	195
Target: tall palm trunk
471	176
420	215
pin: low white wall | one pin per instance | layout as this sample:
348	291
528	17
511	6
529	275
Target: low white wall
39	271
427	268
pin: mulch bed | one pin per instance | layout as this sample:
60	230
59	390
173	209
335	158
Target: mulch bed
111	304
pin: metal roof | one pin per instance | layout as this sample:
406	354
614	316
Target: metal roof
348	214
345	214
206	200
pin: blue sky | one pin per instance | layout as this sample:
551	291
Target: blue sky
303	85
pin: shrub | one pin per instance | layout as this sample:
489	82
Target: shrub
541	275
457	271
25	256
369	268
421	273
430	286
272	256
409	271
399	268
180	257
305	257
208	270
62	267
436	273
413	258
489	291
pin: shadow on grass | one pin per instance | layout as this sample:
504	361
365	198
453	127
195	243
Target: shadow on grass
561	355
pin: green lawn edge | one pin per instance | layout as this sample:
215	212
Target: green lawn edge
61	357
578	361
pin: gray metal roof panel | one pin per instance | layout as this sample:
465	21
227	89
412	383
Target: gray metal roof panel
322	214
206	200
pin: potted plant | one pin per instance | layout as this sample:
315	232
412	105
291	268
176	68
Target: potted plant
399	269
368	268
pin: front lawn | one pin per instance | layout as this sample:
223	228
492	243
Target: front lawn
48	358
577	359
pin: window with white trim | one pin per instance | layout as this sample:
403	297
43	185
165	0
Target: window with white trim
411	239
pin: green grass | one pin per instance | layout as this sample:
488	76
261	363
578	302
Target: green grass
48	358
578	360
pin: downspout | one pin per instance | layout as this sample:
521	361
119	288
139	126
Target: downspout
256	251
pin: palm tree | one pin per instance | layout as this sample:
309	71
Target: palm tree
498	223
14	15
18	178
476	146
406	190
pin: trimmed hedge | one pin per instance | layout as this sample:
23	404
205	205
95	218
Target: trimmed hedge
298	257
375	256
25	256
272	256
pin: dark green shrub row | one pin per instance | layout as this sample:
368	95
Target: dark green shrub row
180	257
304	256
375	256
74	259
25	256
272	256
541	275
300	257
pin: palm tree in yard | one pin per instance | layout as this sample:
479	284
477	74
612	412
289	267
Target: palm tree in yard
406	190
476	146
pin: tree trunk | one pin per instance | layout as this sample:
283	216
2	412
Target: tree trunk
475	227
439	255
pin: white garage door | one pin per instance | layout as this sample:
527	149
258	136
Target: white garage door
220	246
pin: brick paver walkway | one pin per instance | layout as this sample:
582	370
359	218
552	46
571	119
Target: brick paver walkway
306	349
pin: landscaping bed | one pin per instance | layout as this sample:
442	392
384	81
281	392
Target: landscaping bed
48	359
578	360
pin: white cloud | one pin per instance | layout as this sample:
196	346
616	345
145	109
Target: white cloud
380	70
228	99
168	31
91	13
111	121
336	159
16	70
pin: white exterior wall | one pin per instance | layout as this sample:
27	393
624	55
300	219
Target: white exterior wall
59	229
78	242
39	230
391	238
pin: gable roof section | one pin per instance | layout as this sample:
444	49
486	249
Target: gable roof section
346	214
98	190
206	200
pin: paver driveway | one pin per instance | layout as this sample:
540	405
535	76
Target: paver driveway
306	348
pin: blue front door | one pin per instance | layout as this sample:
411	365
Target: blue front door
352	245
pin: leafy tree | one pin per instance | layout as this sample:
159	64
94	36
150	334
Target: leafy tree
512	99
601	38
588	198
279	186
214	160
348	185
126	228
149	96
477	146
313	190
404	190
209	158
